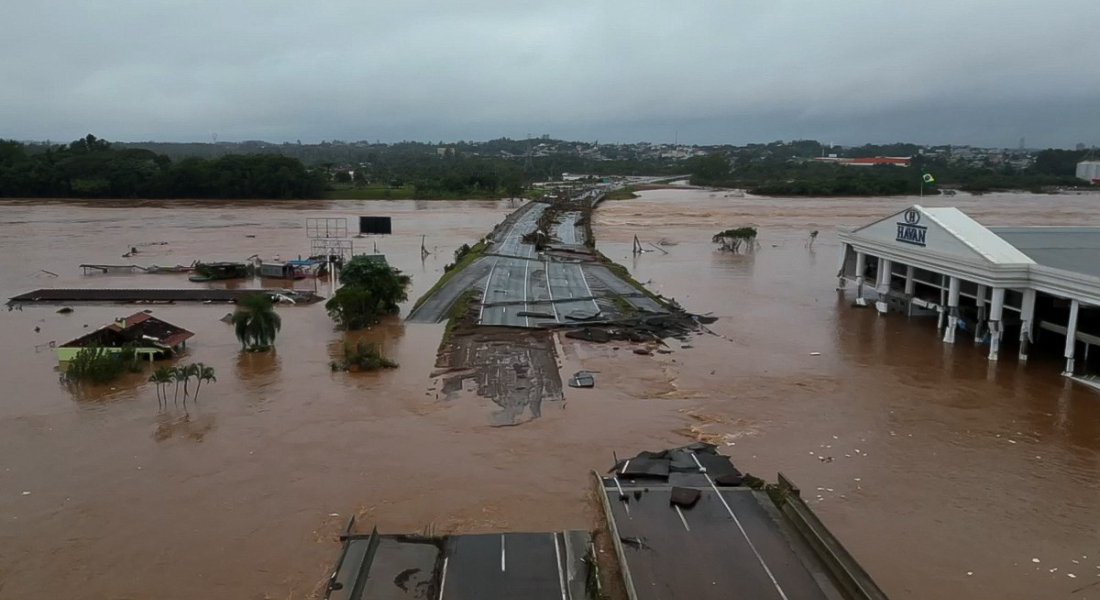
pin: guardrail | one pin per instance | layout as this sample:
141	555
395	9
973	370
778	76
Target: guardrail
613	530
853	581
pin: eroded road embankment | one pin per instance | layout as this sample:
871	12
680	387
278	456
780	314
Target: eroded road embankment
538	272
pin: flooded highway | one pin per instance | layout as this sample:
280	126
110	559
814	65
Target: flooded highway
946	476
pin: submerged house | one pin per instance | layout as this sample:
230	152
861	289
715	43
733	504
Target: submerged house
217	271
150	337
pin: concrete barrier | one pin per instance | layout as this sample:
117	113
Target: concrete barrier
613	530
853	581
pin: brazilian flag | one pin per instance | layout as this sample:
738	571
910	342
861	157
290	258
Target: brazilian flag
928	179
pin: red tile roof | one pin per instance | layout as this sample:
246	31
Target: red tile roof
137	327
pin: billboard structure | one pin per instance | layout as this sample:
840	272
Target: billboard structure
375	226
327	239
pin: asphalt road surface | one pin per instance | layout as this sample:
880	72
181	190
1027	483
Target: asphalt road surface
521	283
706	551
520	288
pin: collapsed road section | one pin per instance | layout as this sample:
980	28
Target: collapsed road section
537	271
681	524
688	525
535	566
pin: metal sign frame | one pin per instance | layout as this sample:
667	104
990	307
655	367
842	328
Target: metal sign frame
326	227
345	249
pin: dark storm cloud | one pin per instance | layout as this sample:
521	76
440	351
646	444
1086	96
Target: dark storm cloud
981	71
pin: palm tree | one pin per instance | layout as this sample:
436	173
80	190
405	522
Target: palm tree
177	375
156	381
256	323
189	371
162	376
205	373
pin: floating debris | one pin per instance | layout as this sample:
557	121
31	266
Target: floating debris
582	379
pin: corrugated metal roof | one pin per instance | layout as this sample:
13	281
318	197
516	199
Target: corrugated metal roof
975	235
1075	249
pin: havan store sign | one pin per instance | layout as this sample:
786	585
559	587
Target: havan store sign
911	231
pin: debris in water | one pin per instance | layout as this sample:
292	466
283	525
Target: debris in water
643	351
1035	560
589	334
64	310
582	379
815	354
26	493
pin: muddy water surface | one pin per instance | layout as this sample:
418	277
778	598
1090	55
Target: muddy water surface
937	465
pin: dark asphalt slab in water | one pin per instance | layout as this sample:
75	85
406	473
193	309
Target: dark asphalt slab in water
709	557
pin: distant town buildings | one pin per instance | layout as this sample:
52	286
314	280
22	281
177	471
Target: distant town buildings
899	161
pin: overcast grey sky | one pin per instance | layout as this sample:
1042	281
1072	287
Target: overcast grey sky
735	71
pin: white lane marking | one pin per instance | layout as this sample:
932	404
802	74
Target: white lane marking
622	496
550	291
744	534
682	519
443	577
485	292
561	573
589	290
502	553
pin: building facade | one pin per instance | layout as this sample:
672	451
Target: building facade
1005	285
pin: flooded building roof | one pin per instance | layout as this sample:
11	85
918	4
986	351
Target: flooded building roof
1068	248
143	328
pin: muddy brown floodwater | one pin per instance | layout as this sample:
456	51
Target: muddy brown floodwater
948	475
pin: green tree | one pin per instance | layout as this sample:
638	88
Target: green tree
178	375
710	169
189	371
161	377
95	365
371	289
204	373
256	323
387	283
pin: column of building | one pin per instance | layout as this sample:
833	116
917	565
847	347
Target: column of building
952	310
1027	316
884	277
1071	336
996	310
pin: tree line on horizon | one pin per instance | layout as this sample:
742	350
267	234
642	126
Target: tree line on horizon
787	175
93	168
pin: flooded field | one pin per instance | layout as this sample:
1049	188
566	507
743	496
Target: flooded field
945	475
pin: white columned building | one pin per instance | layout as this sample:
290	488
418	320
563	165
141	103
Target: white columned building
988	281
